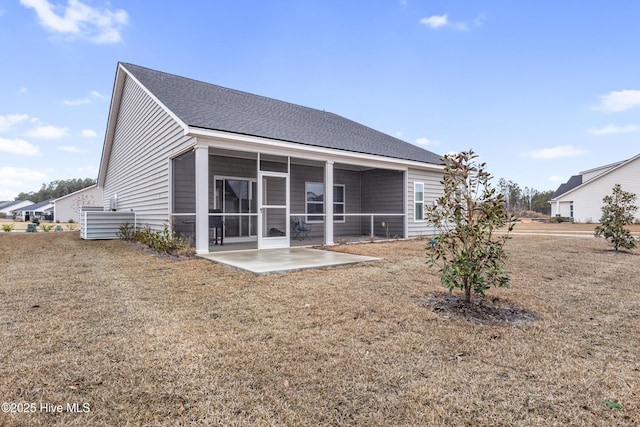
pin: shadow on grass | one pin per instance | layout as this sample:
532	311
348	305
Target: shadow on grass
481	311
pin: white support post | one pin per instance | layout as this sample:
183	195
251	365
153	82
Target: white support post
328	203
202	200
373	234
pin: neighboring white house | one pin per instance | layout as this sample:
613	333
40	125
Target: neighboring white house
68	207
581	197
42	210
7	207
193	155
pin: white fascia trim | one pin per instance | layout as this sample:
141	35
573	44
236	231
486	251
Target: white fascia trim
75	193
276	147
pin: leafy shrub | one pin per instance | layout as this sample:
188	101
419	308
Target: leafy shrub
71	226
46	227
559	219
161	241
468	253
617	211
7	227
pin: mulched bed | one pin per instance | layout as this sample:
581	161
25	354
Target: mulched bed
481	311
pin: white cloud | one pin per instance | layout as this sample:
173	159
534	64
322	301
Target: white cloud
18	146
612	129
7	122
85	100
553	153
435	21
88	171
48	132
426	141
557	178
89	133
13	180
71	149
23	90
617	101
440	21
74	102
77	19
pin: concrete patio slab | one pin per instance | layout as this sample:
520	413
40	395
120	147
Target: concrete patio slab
277	261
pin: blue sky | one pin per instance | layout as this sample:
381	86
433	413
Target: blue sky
540	90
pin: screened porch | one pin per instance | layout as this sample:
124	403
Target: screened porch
258	201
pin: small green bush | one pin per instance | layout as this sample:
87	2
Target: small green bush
161	241
7	227
618	211
46	227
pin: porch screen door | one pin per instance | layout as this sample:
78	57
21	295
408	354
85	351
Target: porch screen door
273	221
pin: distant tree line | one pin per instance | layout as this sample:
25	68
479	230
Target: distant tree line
57	188
524	199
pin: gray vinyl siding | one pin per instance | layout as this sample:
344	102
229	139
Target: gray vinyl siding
432	190
383	192
144	139
299	176
184	183
351	180
232	166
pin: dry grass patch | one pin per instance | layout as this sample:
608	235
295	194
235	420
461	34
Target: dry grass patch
146	340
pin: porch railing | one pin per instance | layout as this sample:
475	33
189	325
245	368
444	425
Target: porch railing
372	220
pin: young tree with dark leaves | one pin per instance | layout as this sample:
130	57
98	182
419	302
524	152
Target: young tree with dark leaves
470	256
617	212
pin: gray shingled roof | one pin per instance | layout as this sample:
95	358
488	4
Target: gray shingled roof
208	106
573	182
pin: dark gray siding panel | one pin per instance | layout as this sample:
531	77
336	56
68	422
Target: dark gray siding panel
383	192
299	176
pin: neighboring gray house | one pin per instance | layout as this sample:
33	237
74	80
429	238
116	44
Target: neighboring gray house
69	207
191	154
580	198
7	207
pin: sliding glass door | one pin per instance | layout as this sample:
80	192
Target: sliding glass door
237	196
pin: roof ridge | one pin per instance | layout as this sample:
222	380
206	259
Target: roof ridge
201	105
244	92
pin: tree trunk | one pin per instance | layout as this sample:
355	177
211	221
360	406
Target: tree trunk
467	293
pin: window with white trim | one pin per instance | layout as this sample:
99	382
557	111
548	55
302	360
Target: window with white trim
315	201
418	198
